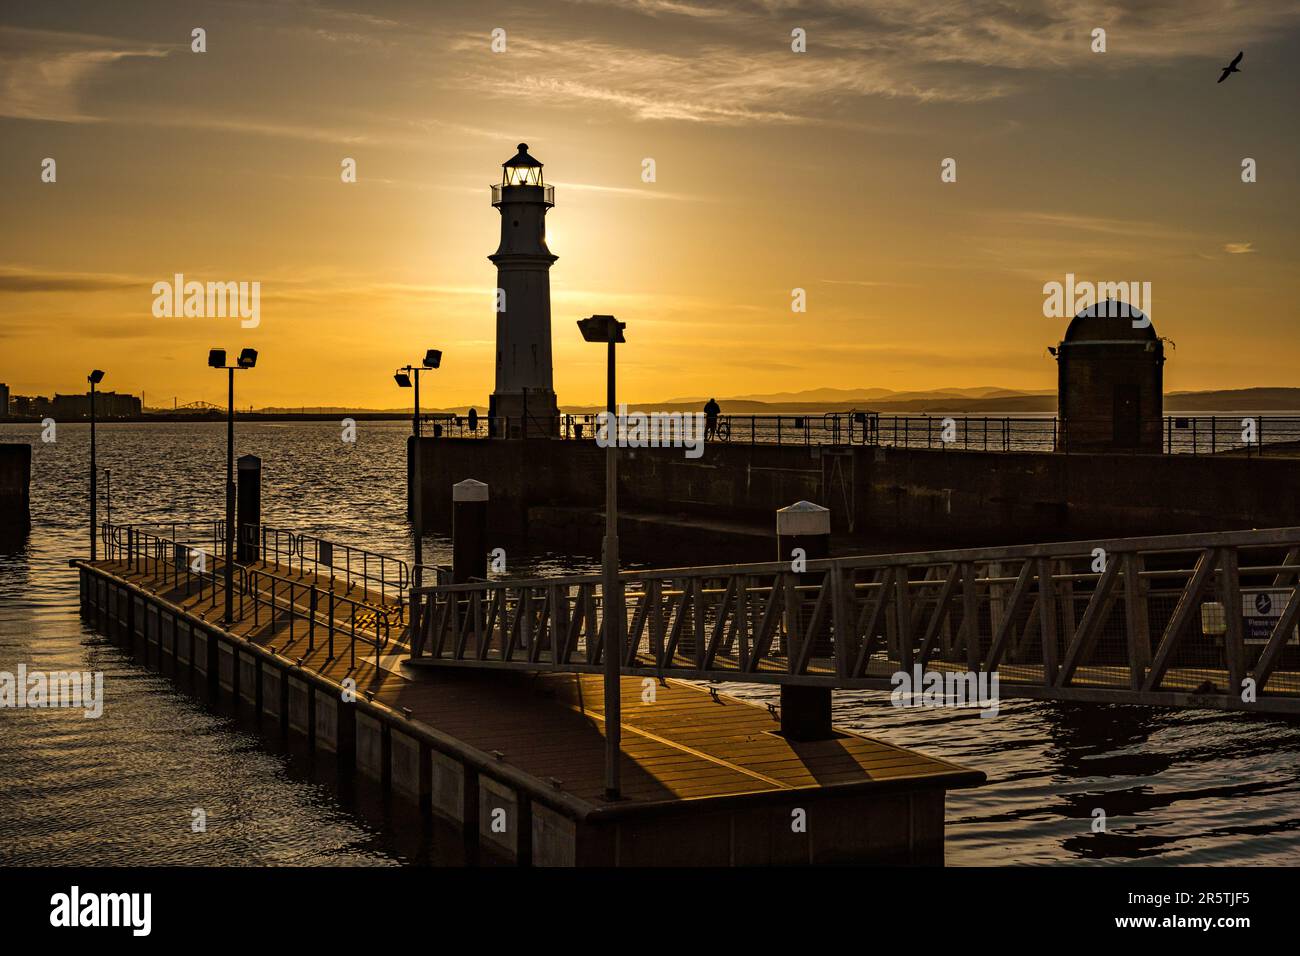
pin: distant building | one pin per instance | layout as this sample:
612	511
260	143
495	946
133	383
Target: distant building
4	400
27	406
107	405
1110	390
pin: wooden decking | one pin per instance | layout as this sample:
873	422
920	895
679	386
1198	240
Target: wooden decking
679	743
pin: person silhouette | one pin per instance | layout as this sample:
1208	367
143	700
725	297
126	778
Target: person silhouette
473	419
711	411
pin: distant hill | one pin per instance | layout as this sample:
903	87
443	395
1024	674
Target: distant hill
970	401
1237	399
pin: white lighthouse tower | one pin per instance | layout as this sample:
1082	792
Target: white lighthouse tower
523	402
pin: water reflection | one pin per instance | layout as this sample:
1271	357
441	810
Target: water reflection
1176	786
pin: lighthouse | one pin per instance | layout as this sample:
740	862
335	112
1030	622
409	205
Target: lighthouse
523	401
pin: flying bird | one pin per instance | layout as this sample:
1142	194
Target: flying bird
1232	67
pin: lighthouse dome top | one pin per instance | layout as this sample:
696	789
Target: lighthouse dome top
522	158
521	169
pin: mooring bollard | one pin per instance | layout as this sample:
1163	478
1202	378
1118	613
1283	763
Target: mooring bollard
469	504
15	485
803	533
248	497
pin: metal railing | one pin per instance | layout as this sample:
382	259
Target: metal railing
548	193
306	606
370	571
1183	619
210	532
358	568
1180	434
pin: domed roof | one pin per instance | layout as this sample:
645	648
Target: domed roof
521	158
1111	320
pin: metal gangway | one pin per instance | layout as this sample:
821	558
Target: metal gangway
1197	620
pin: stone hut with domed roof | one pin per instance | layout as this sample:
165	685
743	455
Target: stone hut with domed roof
1110	389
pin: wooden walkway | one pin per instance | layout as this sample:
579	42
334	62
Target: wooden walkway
684	745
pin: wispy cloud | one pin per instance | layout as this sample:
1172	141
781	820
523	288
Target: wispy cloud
43	72
731	83
1238	248
647	192
19	279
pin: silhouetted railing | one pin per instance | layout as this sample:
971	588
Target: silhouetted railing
369	571
1250	435
307	608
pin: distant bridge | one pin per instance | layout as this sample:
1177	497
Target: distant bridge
1202	620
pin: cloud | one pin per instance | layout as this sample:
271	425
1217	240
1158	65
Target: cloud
727	83
42	72
1238	248
648	192
16	279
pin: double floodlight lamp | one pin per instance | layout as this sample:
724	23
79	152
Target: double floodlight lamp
217	358
432	359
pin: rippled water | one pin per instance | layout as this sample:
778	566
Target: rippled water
1176	786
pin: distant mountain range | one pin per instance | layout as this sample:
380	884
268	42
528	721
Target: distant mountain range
987	400
983	400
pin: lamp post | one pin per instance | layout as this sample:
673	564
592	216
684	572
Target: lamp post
408	376
217	359
94	378
607	329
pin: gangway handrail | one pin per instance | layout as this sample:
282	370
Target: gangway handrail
1060	549
1202	619
153	553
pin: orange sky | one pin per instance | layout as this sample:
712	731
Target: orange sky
775	170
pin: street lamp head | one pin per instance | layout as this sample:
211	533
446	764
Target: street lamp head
402	379
95	377
216	358
602	328
432	358
247	358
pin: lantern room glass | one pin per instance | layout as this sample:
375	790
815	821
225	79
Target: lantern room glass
522	176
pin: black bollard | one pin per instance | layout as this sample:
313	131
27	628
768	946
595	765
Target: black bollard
469	504
15	485
248	508
805	711
410	476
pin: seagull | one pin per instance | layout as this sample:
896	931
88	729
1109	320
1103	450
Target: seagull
1232	67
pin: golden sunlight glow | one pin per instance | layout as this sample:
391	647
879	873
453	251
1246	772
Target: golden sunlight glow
911	282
